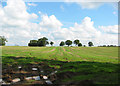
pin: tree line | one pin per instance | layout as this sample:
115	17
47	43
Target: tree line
44	41
76	42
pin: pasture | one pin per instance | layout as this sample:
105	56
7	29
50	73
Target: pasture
98	65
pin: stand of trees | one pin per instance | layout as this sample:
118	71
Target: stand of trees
3	41
76	42
40	42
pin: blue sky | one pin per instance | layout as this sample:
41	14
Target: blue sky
59	21
71	13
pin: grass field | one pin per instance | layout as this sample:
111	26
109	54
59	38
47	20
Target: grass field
98	64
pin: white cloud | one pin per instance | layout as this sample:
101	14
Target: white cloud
14	20
16	26
89	5
32	4
110	29
86	32
86	4
50	22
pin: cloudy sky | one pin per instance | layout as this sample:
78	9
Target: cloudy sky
58	21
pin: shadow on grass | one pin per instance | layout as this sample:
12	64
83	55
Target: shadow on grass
79	72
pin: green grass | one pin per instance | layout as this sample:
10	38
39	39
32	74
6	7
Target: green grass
94	54
99	64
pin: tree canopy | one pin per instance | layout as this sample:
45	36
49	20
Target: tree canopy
68	42
3	41
62	43
43	41
90	44
80	44
76	41
51	43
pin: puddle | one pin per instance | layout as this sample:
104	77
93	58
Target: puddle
48	82
36	77
53	73
28	78
34	69
41	71
0	80
15	80
19	67
45	77
4	83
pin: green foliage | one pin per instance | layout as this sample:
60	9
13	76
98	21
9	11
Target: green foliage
80	44
76	42
51	43
47	43
2	41
68	42
90	44
62	43
33	43
40	42
43	41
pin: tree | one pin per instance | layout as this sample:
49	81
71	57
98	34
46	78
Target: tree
43	41
33	43
68	42
2	41
76	42
80	44
90	44
62	43
47	43
51	43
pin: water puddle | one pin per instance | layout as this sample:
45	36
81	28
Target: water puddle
15	80
45	77
48	82
29	78
36	77
34	69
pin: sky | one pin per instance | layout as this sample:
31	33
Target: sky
22	21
